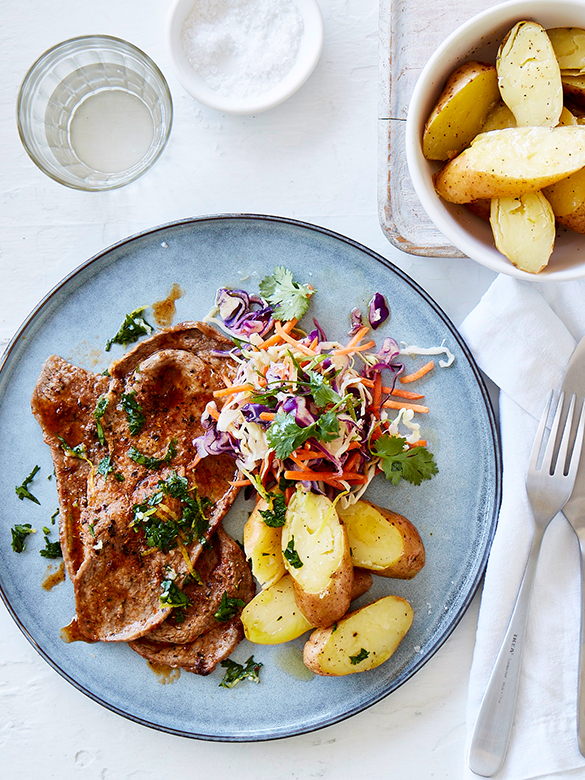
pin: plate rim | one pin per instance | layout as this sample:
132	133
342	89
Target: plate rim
494	438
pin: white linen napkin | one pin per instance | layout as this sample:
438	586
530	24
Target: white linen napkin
522	336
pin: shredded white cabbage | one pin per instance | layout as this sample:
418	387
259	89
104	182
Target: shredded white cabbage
442	350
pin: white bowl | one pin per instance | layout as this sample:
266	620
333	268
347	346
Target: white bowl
479	39
309	52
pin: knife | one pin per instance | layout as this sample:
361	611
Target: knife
574	511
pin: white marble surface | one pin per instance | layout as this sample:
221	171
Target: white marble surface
313	158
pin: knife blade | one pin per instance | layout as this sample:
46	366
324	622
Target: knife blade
574	511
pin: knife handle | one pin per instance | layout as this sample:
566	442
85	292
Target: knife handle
493	726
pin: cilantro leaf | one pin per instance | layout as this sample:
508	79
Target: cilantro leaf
133	410
321	390
98	413
275	515
292	555
133	327
51	549
290	299
19	534
150	462
284	436
228	607
238	672
22	491
172	596
361	656
398	463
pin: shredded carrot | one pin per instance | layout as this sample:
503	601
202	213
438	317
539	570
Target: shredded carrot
267	416
306	455
194	462
357	337
276	338
325	476
354	445
404	405
396	391
232	390
289	339
213	413
288	494
351	462
403	393
239	482
419	443
418	374
359	348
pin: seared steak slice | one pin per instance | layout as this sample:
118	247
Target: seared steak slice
228	573
200	656
154	403
63	402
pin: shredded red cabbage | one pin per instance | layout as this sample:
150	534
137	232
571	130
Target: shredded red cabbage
378	311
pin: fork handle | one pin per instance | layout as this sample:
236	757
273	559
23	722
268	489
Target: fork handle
581	686
491	734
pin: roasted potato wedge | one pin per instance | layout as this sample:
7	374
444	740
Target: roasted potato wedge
569	47
481	208
360	641
511	162
567	117
273	616
461	110
524	230
567	199
529	76
383	541
316	552
262	545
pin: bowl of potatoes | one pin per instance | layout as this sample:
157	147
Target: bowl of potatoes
495	139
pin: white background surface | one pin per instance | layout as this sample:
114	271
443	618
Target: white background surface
313	158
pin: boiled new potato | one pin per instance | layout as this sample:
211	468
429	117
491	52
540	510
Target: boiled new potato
273	616
567	117
574	89
383	541
524	230
569	47
262	545
316	552
512	162
567	199
463	106
498	118
360	641
529	76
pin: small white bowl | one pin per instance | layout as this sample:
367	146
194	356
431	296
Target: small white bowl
310	49
479	39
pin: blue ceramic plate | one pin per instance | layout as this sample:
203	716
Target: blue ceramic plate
455	512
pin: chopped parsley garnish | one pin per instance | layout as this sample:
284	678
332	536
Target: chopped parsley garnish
172	596
22	491
19	535
284	435
228	607
54	516
133	327
73	452
237	672
292	555
105	466
275	515
133	410
398	463
51	549
361	656
153	463
98	413
163	531
289	298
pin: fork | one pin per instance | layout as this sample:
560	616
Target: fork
548	489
